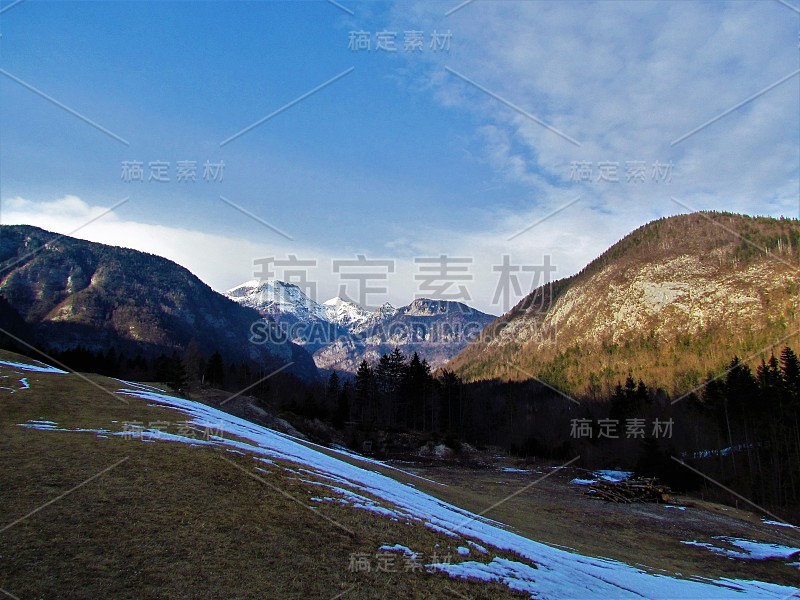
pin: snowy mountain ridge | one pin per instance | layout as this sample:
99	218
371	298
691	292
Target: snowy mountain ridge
345	313
280	299
277	297
341	333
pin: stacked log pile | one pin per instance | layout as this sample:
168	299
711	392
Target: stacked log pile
637	490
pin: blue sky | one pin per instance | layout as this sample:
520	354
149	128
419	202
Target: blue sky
401	157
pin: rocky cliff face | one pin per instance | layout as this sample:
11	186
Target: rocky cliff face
72	292
672	301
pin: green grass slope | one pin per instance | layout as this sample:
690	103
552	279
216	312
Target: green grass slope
175	521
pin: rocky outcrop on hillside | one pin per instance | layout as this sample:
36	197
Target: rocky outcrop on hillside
672	301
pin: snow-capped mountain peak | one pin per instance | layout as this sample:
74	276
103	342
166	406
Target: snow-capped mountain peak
275	296
335	301
344	312
384	312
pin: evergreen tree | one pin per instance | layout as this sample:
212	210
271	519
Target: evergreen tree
390	371
741	393
642	394
417	394
177	372
790	372
619	403
390	402
161	372
770	386
740	386
170	371
450	395
397	366
332	390
109	363
364	392
233	377
342	415
630	389
194	362
215	371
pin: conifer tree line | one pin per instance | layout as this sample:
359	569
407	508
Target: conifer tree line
180	371
741	428
400	392
757	418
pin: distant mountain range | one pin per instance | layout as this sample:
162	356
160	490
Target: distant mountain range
341	334
671	303
71	292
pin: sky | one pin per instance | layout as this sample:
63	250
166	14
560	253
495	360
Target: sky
539	131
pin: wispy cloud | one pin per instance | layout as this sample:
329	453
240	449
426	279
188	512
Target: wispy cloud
225	261
627	79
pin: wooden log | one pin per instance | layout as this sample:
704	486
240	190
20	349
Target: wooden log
626	492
